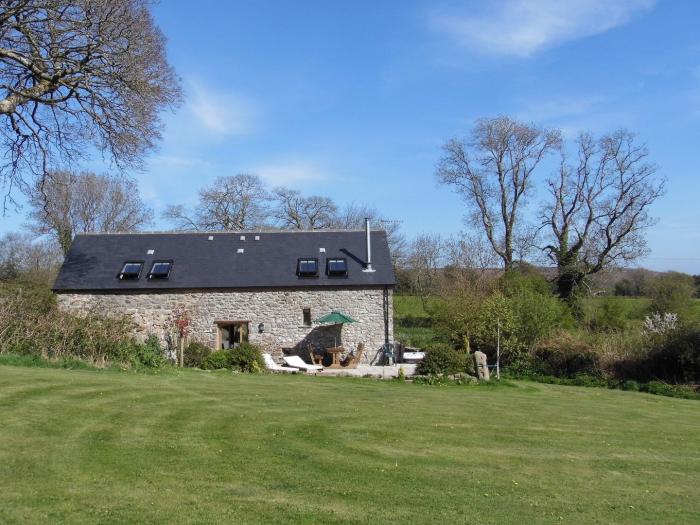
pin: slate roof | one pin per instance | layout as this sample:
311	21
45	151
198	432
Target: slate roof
95	260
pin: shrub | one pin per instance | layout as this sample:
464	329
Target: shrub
630	385
525	278
244	358
37	361
498	311
658	323
676	358
610	316
537	315
671	292
526	312
217	360
247	358
443	359
664	389
673	357
148	354
564	356
195	353
401	376
33	325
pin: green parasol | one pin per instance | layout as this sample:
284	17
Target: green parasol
335	317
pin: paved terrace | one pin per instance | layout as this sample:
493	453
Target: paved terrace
380	372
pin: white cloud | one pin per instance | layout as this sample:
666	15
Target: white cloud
524	27
292	174
220	113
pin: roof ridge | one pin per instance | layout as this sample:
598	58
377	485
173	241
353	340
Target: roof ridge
231	232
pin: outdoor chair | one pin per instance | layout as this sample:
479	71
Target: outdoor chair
297	362
354	359
315	355
274	367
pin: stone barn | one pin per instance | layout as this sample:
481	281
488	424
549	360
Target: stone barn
266	288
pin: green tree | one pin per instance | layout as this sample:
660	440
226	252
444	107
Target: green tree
671	292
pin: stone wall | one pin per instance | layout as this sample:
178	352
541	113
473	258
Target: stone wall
281	311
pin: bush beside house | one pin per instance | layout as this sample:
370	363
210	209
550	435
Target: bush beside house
243	358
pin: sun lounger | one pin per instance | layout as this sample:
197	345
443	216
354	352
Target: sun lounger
274	367
413	357
297	362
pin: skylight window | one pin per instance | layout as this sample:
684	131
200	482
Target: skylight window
131	270
307	267
160	270
337	267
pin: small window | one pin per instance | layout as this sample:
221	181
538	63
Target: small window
160	270
307	267
131	270
307	316
337	267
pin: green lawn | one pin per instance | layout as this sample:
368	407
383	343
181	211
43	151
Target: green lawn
79	446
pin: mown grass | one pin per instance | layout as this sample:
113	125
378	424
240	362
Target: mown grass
80	446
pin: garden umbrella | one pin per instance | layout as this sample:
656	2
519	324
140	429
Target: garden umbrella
335	318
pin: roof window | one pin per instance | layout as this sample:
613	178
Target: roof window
160	270
307	267
131	270
337	267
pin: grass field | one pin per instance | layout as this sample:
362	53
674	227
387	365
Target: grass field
412	324
80	446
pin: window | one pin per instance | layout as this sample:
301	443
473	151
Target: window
160	270
131	270
337	267
231	334
307	267
306	312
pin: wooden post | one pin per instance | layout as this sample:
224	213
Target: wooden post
182	351
498	349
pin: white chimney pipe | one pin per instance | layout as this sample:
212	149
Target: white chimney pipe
368	266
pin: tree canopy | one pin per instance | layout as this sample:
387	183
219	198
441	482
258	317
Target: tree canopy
78	75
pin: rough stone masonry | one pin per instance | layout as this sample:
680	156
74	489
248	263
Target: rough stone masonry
280	311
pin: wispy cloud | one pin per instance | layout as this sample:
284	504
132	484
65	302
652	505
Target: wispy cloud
178	161
293	174
555	109
221	113
523	27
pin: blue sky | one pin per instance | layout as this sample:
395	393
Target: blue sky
354	99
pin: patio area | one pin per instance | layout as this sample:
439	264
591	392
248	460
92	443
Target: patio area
379	372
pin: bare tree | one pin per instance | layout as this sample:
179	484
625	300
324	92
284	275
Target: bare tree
469	252
295	211
599	208
67	203
425	258
231	203
353	216
22	255
492	171
75	74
